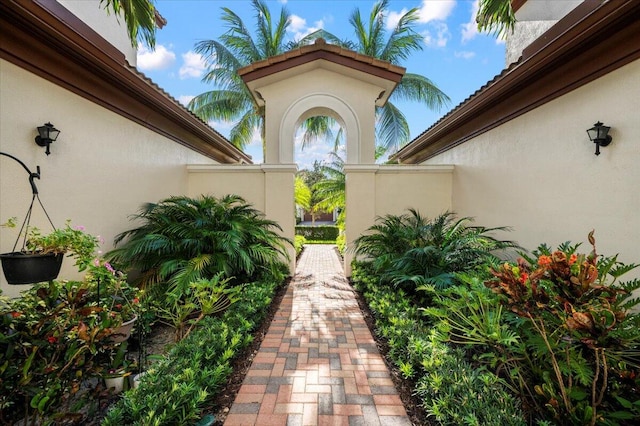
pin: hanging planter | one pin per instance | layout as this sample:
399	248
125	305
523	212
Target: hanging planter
39	257
26	268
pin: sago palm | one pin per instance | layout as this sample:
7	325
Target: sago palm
410	250
182	240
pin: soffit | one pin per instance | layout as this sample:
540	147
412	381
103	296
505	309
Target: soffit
326	56
43	37
591	41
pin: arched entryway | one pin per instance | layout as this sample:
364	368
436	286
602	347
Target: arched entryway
321	79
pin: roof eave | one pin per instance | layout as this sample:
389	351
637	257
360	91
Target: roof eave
543	68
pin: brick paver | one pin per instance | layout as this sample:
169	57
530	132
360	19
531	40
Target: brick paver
318	363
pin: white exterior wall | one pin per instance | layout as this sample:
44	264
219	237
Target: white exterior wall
101	168
538	173
109	26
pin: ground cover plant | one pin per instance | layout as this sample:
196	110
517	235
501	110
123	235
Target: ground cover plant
553	337
182	386
452	391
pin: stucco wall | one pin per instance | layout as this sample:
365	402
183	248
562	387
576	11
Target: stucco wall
101	168
268	188
375	191
538	173
108	25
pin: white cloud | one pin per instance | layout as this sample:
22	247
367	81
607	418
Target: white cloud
158	59
470	29
435	10
193	65
464	54
185	99
393	18
299	28
437	36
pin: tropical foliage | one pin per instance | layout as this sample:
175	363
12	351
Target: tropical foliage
184	384
496	16
182	240
451	390
410	250
139	17
231	101
550	339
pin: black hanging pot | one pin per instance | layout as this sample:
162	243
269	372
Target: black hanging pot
28	268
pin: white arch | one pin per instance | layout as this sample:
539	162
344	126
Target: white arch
319	104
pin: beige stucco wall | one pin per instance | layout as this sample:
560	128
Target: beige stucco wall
538	173
378	190
268	188
290	101
111	27
101	168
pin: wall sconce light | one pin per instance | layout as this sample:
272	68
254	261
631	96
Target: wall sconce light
599	134
47	134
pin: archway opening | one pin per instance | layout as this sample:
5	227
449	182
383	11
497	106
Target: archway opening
319	190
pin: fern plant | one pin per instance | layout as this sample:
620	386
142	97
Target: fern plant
182	240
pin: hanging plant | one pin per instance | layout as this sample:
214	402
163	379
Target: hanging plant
40	257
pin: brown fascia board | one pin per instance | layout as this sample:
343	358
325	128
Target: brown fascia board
517	4
591	41
45	38
321	51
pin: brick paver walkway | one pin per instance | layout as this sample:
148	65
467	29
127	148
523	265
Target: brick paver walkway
318	363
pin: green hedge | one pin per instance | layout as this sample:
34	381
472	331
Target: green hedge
451	390
323	232
187	380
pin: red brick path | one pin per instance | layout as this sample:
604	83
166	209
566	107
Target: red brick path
318	363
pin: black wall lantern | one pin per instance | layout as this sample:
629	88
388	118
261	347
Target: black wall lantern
47	134
599	134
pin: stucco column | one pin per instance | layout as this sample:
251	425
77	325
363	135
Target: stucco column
279	202
361	205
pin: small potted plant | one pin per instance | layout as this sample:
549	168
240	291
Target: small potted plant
41	255
115	296
118	370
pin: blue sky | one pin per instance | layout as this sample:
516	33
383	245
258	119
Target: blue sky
454	56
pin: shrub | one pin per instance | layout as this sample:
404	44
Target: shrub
298	243
54	338
184	239
315	233
410	250
581	333
451	390
179	387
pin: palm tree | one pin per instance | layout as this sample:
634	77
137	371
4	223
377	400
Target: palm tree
331	190
392	128
496	16
139	16
237	48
